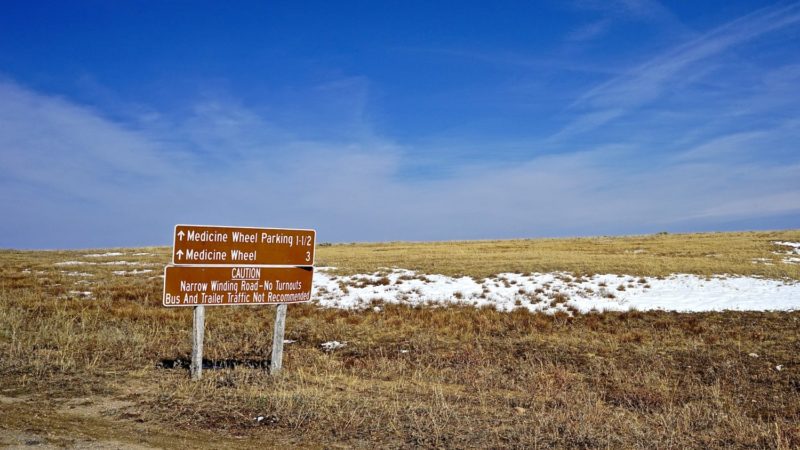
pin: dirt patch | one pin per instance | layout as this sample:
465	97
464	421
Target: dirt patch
97	407
20	440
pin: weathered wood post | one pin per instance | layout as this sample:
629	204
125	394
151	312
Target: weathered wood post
277	340
198	331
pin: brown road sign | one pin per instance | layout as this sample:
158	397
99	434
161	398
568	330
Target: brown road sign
236	285
225	246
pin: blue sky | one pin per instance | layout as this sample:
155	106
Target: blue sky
381	121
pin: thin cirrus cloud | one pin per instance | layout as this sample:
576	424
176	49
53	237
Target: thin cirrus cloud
615	12
65	168
626	93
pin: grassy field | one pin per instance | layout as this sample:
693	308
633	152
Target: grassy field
647	255
108	368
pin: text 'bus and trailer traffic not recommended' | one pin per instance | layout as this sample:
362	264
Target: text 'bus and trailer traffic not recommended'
237	285
220	245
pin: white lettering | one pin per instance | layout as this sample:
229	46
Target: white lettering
289	285
246	273
206	255
189	287
277	238
241	237
206	236
237	255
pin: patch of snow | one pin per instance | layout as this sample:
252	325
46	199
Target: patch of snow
551	292
753	355
82	294
77	274
121	263
332	345
289	341
144	254
779	367
131	272
789	255
100	255
106	263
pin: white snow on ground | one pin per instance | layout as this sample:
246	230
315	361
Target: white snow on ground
553	292
764	261
82	294
332	345
791	256
794	245
131	272
106	263
77	274
99	255
123	263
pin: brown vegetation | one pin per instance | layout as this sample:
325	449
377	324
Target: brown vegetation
111	368
648	255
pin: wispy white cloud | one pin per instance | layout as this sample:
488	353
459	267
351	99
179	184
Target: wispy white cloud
612	13
589	31
672	70
71	177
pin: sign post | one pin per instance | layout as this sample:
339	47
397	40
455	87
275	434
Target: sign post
277	340
198	331
225	266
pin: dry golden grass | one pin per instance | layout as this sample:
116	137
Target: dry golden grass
104	370
650	255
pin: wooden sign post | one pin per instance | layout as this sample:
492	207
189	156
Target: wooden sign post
198	332
277	340
224	266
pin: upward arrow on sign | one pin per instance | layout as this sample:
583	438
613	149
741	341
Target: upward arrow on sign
221	245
